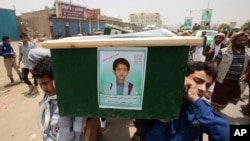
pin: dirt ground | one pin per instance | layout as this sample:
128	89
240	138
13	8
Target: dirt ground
17	109
18	113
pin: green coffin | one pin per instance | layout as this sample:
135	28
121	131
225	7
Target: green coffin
75	68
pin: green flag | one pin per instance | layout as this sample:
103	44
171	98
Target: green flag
188	23
206	16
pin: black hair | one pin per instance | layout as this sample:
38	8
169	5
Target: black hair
4	38
23	35
225	32
43	68
201	66
121	61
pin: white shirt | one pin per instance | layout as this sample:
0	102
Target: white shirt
216	50
23	53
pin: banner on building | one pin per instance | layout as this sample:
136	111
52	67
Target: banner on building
69	11
206	16
188	22
91	14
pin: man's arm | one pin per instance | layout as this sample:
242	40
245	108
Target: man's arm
2	53
70	128
217	60
153	130
200	113
20	55
207	51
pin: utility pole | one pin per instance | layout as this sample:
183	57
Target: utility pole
190	12
208	4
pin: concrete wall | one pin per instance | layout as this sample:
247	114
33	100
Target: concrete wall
35	23
45	23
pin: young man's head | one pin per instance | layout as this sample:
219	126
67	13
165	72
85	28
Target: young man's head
203	74
24	37
6	39
44	75
121	69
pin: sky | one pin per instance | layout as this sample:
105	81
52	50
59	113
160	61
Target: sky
172	12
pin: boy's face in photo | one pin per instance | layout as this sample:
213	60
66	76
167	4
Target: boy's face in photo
121	72
47	85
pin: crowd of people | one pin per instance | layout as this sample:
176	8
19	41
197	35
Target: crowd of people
230	55
228	58
218	77
38	61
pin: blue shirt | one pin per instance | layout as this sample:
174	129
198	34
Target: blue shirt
6	50
196	118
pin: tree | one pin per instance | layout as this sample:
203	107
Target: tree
246	25
224	27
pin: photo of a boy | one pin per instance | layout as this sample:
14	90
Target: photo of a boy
121	86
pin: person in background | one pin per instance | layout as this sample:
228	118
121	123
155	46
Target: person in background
232	64
246	108
9	56
197	55
24	47
211	52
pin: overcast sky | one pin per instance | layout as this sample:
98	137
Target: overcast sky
172	12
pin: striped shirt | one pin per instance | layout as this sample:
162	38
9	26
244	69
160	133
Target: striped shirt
236	67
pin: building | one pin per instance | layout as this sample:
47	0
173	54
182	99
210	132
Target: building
146	19
36	23
67	20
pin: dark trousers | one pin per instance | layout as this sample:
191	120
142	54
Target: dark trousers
25	73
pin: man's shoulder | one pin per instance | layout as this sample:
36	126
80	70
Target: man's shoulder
1	44
20	44
30	43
